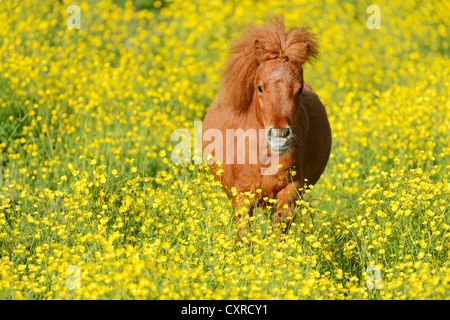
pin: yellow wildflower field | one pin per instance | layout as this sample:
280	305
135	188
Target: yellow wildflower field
93	207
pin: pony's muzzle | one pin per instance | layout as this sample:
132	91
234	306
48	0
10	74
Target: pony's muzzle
279	140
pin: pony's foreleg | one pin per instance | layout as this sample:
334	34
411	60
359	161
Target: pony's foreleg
286	205
243	210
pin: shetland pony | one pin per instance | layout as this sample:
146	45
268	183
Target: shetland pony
263	89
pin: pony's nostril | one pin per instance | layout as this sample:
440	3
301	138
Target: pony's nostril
286	132
272	132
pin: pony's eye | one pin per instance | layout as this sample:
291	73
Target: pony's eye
300	91
260	89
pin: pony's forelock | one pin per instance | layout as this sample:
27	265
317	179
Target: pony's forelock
257	45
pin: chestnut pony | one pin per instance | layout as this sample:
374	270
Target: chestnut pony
263	89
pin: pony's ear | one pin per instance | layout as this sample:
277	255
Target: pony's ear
301	46
311	50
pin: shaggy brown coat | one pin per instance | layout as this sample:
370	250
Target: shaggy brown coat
269	59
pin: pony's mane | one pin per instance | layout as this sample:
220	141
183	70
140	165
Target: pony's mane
257	45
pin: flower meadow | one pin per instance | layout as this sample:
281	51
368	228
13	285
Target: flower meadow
93	207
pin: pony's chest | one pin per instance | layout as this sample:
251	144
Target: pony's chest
271	185
271	175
